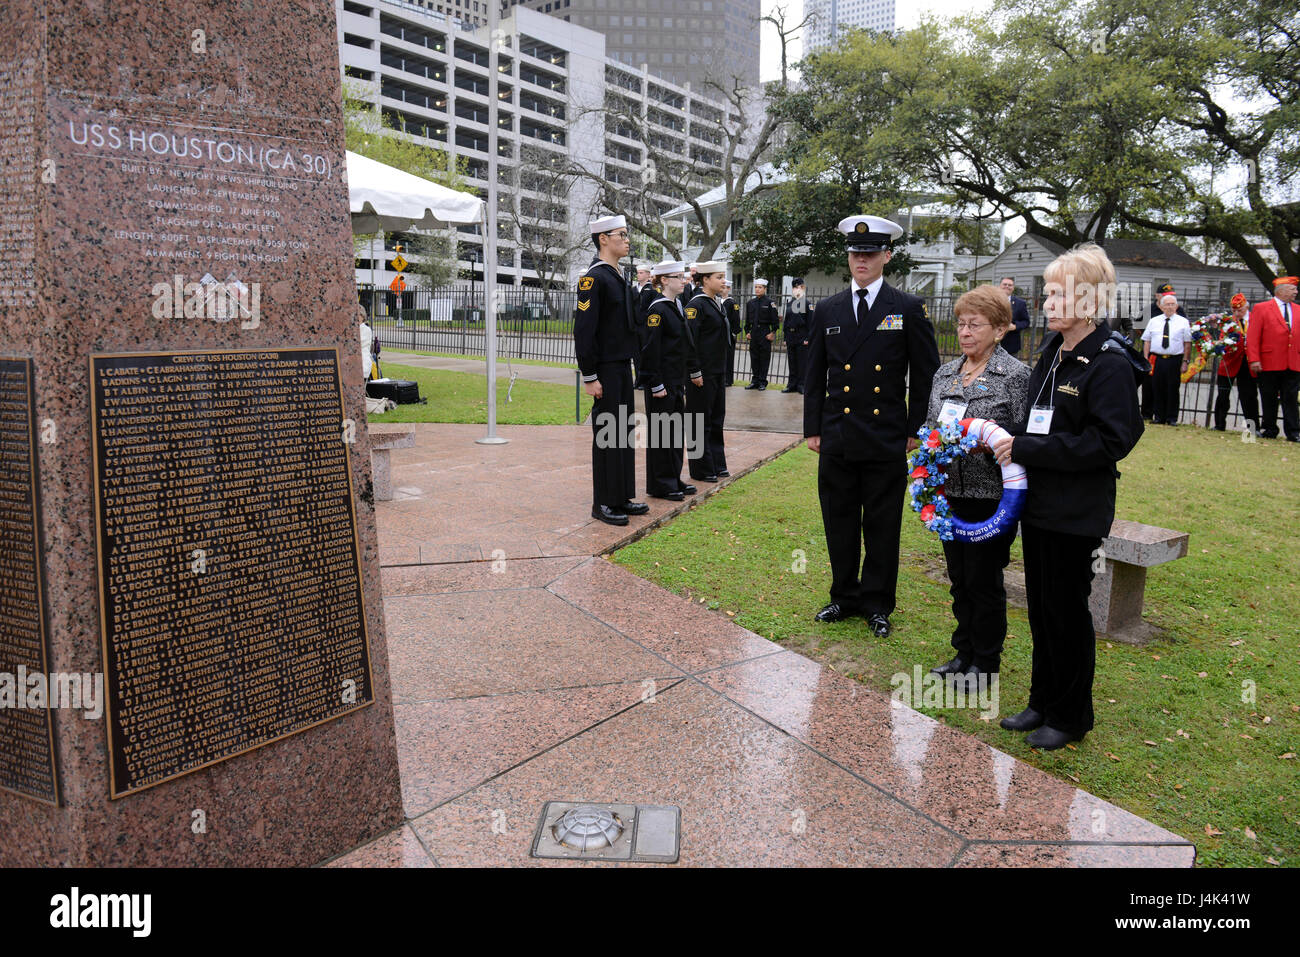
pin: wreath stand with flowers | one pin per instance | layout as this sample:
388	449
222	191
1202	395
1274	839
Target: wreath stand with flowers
940	448
1215	335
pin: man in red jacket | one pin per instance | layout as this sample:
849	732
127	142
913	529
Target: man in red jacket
1273	351
1233	367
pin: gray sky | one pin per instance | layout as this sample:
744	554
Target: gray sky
907	13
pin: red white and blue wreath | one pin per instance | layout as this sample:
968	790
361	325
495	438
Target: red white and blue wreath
940	448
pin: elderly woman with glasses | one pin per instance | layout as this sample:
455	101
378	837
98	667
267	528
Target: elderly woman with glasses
984	382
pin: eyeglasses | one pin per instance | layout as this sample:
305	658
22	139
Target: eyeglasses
972	326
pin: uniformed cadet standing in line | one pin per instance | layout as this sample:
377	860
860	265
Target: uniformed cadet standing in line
761	323
667	361
796	335
605	341
646	292
710	330
691	288
732	312
869	346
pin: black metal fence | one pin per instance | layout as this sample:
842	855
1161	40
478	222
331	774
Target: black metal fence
535	325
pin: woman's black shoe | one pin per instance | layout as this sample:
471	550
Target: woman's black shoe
1049	739
689	490
634	508
955	667
1026	720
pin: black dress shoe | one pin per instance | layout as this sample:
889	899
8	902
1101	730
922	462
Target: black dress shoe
608	515
955	667
634	508
974	676
723	473
752	386
671	496
705	478
1026	720
834	612
1049	739
788	390
879	625
689	489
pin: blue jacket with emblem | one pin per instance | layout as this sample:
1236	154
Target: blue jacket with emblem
856	393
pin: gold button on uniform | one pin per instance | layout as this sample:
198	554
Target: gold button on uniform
877	368
847	367
875	411
846	388
877	388
846	410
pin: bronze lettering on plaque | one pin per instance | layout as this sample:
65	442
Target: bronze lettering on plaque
26	726
229	572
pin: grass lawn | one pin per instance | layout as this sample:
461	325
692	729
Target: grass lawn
460	355
1197	732
462	397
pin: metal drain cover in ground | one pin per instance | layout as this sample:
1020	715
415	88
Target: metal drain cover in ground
581	830
588	828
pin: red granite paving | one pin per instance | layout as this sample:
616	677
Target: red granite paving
525	670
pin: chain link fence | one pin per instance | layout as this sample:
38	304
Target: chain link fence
537	325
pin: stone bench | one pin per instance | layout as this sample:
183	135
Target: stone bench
1118	590
381	465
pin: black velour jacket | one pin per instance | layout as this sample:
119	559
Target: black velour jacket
1096	421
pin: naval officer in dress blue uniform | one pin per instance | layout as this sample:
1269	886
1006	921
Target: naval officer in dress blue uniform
605	342
871	359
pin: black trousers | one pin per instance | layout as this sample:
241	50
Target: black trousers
1275	387
665	440
979	597
794	350
760	354
1148	390
862	512
730	377
1058	581
1247	397
709	401
1164	396
613	438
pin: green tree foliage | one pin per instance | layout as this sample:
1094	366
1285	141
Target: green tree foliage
1083	119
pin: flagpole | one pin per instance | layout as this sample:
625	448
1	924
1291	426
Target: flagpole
490	237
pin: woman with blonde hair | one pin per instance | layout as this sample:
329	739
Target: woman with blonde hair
1081	417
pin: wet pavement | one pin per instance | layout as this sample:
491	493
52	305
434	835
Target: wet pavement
525	670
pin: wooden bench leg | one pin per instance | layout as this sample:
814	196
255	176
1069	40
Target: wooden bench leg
382	476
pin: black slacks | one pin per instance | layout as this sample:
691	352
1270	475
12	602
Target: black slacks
709	401
760	354
1058	581
730	377
794	350
1165	388
862	512
665	440
613	436
1247	397
1279	388
979	597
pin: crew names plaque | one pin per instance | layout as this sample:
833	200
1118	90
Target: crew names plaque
230	588
26	728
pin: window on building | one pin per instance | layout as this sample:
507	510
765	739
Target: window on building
353	40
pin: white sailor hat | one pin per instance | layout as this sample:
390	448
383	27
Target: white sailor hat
710	267
869	234
760	282
726	282
607	223
668	267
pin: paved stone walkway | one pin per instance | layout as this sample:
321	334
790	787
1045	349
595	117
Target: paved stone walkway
549	674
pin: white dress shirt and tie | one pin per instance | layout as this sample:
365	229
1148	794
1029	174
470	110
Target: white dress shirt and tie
1169	339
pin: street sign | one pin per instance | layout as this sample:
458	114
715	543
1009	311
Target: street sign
399	263
398	284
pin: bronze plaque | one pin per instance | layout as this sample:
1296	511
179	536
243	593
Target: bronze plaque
229	572
26	725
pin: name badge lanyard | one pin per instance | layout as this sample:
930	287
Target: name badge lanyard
1045	413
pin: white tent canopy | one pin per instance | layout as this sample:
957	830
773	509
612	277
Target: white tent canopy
385	198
